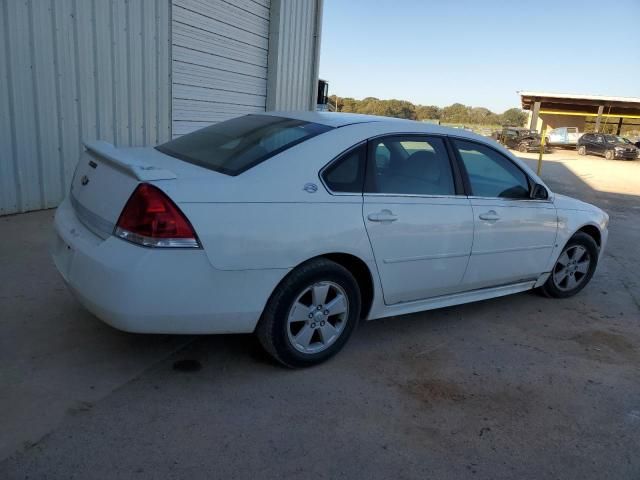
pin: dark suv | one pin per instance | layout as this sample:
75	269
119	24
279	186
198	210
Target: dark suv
522	139
611	146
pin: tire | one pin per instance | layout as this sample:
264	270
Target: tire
582	150
522	148
608	154
292	328
576	274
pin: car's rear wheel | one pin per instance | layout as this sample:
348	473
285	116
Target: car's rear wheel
608	154
311	314
582	150
574	268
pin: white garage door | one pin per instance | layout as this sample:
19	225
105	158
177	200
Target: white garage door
219	67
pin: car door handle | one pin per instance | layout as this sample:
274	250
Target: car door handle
383	216
490	216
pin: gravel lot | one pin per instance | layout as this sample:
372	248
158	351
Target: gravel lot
517	387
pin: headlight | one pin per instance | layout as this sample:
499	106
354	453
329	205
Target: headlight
619	149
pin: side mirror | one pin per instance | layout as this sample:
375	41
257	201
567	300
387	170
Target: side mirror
539	192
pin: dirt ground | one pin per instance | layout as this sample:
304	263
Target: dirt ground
517	387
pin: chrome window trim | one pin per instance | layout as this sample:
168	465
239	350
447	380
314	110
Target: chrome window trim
414	195
506	199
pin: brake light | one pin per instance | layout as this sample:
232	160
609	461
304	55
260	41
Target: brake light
151	219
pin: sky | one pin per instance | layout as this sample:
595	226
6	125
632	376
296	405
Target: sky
480	53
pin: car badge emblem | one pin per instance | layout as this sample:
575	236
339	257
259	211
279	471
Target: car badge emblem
310	187
84	180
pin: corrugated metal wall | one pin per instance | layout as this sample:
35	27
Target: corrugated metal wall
220	51
294	53
75	70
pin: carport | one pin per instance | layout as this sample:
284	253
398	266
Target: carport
586	112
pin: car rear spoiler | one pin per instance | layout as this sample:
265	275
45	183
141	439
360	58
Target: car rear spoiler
122	160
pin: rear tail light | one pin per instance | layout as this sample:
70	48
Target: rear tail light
151	219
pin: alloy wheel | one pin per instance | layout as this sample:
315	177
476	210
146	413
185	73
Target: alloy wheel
317	317
572	268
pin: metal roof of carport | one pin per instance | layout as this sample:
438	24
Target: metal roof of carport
594	106
577	104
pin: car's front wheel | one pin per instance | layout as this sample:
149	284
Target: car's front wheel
523	147
574	268
582	150
608	154
311	314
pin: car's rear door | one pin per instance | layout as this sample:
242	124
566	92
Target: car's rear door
514	235
419	222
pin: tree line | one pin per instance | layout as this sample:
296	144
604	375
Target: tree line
456	113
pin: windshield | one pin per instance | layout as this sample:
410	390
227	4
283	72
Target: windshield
239	144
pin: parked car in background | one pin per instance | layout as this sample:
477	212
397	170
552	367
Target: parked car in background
521	139
609	146
563	136
296	226
636	142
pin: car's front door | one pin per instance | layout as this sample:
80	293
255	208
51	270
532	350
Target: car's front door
598	146
514	235
419	222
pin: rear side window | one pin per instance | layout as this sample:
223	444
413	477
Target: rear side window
236	145
346	174
416	165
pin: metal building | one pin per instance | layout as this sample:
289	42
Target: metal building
138	72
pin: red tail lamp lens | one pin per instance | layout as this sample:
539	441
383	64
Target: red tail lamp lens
150	218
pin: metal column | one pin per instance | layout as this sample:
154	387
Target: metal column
599	117
534	116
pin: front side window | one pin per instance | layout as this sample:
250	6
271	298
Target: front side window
346	174
236	145
490	173
410	166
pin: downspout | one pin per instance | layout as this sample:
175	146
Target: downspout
315	72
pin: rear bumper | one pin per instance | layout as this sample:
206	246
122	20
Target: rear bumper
147	290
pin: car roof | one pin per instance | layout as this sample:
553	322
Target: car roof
331	119
337	120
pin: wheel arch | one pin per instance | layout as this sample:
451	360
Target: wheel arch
361	272
593	231
356	266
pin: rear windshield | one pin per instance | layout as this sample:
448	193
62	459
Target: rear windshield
236	145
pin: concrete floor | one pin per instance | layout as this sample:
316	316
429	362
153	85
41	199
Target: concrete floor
518	387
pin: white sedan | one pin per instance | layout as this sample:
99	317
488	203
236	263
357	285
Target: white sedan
296	226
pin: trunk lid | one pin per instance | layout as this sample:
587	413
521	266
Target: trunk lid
106	176
104	179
